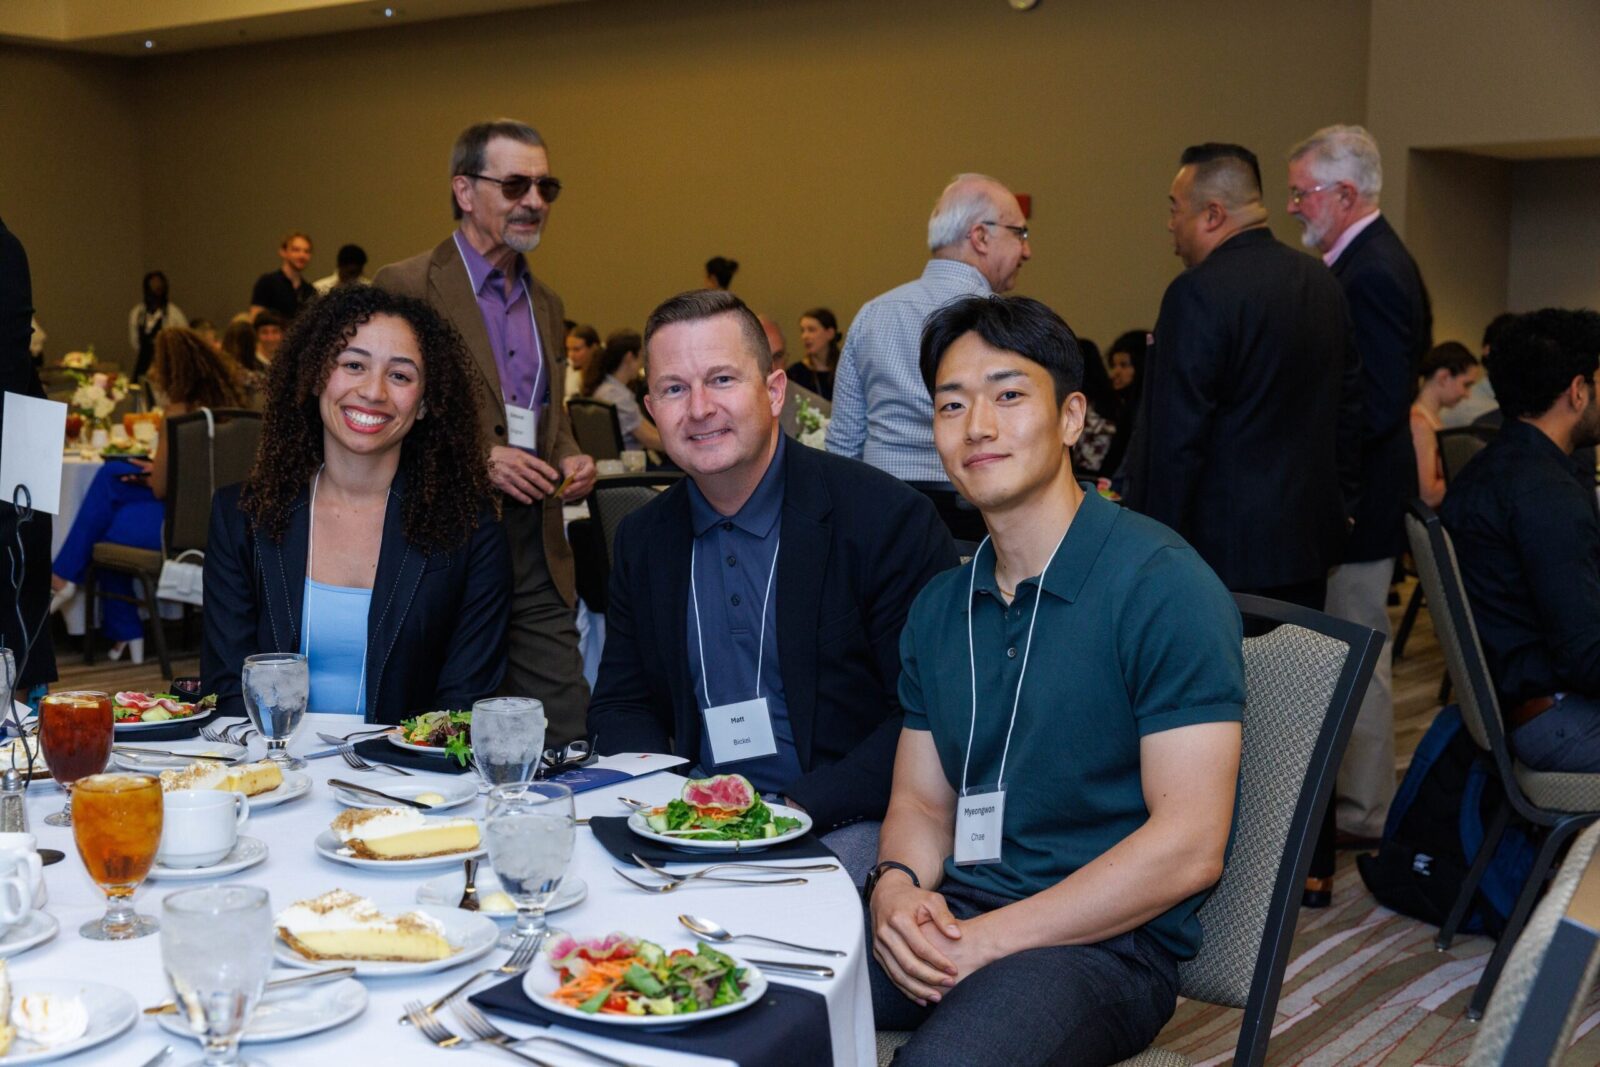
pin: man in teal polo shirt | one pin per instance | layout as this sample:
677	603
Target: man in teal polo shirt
1064	783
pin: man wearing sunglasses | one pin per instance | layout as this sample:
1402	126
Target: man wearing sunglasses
501	190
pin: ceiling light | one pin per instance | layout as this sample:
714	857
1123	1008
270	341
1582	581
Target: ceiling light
149	44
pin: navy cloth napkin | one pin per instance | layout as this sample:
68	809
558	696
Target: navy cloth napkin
379	750
613	834
789	1025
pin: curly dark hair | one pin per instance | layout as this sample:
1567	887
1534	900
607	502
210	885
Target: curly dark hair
1534	360
447	480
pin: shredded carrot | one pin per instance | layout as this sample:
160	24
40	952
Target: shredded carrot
601	974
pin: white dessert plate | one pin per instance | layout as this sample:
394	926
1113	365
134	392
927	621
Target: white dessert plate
295	784
136	727
129	758
456	792
472	934
111	1011
445	892
637	824
541	980
34	928
291	1013
328	846
247	852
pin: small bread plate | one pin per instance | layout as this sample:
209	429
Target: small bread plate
541	980
132	757
329	847
111	1011
637	824
295	784
34	928
291	1013
472	934
247	852
445	892
456	792
139	725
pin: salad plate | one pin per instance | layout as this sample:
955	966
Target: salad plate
639	824
540	982
473	935
176	709
436	733
445	891
291	1013
456	792
111	1011
328	846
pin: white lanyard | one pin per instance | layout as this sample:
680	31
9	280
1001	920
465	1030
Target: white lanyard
533	324
972	660
761	647
305	607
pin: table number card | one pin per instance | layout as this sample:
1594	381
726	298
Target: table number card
30	450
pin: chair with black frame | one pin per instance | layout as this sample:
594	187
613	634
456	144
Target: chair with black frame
616	496
1551	806
205	450
1551	970
1304	680
595	425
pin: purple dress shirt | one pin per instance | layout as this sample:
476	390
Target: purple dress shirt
513	335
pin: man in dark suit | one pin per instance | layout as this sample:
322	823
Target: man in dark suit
1335	177
788	569
501	191
1249	423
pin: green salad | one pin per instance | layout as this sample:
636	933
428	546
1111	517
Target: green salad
622	975
449	730
718	824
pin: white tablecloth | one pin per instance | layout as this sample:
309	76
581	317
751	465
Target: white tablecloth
826	912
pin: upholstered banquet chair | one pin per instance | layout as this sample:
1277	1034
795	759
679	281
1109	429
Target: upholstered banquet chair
596	427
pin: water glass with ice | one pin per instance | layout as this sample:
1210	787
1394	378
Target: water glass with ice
216	947
507	739
277	687
529	832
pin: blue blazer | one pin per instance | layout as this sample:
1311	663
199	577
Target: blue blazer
858	546
436	632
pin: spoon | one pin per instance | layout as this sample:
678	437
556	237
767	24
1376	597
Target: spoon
708	929
469	894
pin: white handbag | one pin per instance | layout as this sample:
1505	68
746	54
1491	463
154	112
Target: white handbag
183	576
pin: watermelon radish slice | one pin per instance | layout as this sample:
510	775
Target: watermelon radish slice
137	701
724	792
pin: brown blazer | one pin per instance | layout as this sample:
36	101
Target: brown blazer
439	278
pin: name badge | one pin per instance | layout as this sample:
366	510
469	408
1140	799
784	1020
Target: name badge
740	731
522	428
980	820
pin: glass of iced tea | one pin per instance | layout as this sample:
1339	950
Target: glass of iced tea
75	731
117	826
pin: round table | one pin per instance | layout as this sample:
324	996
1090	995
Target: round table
825	912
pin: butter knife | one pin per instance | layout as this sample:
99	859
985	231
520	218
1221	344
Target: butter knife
334	974
798	970
141	751
387	798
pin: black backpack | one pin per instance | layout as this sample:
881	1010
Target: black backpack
1436	826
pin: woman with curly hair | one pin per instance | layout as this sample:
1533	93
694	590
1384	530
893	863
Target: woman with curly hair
365	537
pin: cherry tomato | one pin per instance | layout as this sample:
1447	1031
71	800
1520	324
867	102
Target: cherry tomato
615	1002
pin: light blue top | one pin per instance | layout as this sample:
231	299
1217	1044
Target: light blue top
334	641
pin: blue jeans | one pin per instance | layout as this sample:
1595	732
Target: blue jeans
1565	738
1072	1004
112	510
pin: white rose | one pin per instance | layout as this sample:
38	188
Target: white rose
104	407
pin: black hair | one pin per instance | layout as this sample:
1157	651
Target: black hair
1200	155
722	270
1134	344
269	318
1097	388
1497	326
1452	356
698	304
1012	324
828	321
620	344
149	296
1535	358
351	254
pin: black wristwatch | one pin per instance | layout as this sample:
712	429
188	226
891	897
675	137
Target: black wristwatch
878	872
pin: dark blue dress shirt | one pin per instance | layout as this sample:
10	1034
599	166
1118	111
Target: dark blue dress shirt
734	555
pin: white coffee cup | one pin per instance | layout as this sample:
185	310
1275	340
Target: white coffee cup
609	466
26	848
16	891
200	826
634	461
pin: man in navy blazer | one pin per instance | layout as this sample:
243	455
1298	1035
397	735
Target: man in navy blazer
755	608
1335	176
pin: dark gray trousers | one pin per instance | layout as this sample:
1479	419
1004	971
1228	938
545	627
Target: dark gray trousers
542	638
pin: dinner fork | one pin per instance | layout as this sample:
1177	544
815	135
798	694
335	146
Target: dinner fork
356	762
436	1031
516	963
673	876
484	1030
668	887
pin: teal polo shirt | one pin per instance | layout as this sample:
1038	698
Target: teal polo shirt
1135	635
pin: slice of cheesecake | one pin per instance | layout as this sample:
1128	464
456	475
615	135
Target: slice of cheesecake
402	834
342	926
251	779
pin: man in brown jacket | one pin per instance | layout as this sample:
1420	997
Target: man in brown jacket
501	191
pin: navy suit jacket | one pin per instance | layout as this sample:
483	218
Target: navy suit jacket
436	632
1393	326
858	546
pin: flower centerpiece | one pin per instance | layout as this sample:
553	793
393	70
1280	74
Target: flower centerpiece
97	394
813	425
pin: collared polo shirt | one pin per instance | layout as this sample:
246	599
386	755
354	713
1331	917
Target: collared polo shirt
518	354
734	555
1135	635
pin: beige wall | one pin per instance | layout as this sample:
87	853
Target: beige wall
70	189
1555	235
806	139
1460	233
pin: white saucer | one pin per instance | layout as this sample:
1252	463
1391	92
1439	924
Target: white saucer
247	852
445	892
291	1013
35	928
470	932
295	784
111	1011
456	792
329	847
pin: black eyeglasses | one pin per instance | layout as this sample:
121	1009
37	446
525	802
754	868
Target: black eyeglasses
1020	231
516	187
